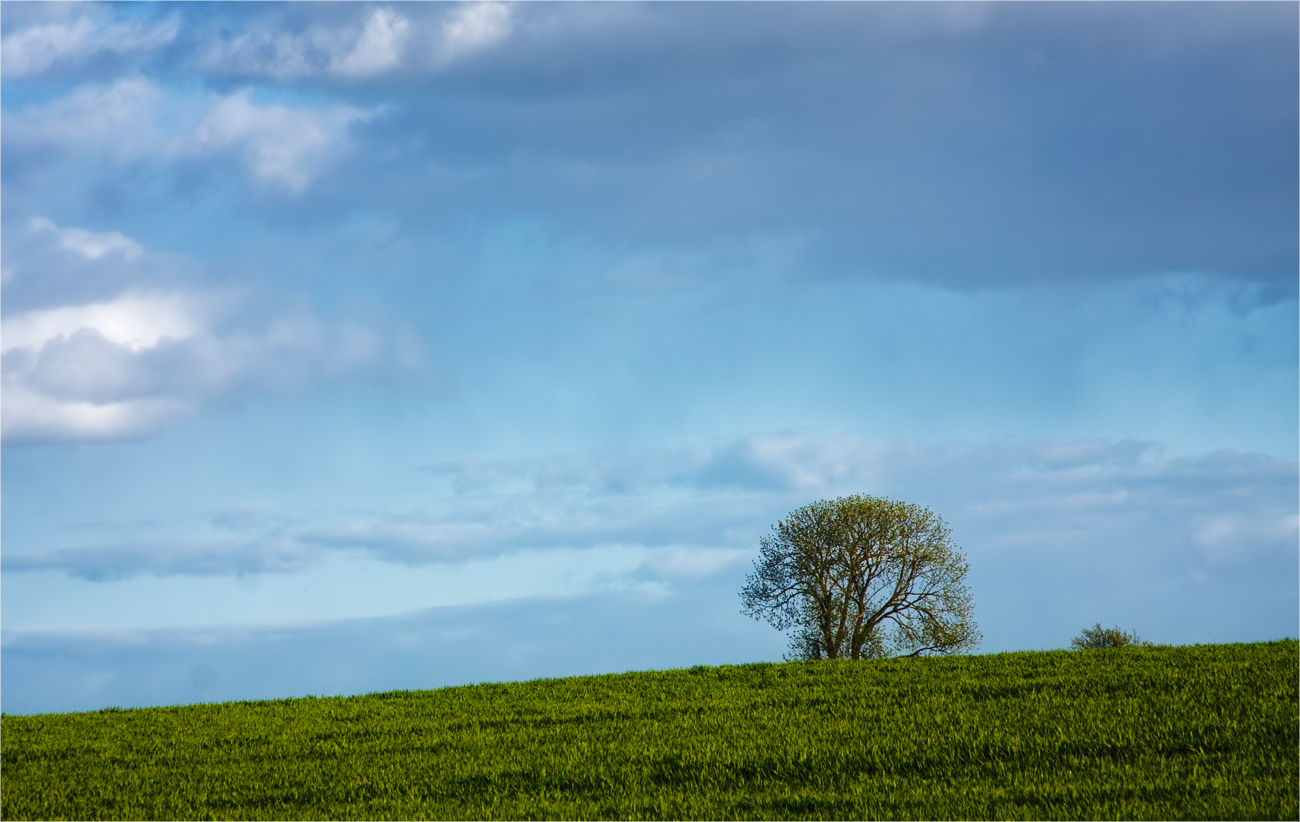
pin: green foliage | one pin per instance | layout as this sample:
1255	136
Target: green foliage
1099	637
863	578
1153	733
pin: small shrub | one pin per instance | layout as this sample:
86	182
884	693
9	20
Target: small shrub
1099	637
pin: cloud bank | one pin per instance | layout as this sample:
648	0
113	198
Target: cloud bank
966	146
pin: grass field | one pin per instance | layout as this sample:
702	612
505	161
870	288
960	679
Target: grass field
1201	732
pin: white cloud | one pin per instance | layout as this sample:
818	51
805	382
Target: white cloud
1226	536
414	541
277	55
37	48
379	47
278	144
381	44
473	27
83	372
135	121
28	415
132	322
694	563
90	244
125	365
117	121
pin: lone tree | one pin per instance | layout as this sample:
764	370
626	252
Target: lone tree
862	578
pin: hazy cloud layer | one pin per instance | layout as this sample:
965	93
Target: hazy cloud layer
699	510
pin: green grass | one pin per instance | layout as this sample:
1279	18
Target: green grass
1207	732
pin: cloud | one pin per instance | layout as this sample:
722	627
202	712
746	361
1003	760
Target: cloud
84	371
1059	534
276	55
473	27
487	528
103	563
130	322
126	364
36	49
1227	537
698	510
1044	496
385	42
694	563
276	143
242	518
348	51
969	148
90	244
1049	497
134	121
116	121
30	416
965	145
379	46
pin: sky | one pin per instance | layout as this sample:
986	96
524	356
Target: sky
360	347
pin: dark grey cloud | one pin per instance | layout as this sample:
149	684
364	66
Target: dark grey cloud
1039	146
962	144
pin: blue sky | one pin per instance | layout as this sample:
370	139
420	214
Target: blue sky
354	347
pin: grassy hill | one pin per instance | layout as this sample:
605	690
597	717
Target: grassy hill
1162	733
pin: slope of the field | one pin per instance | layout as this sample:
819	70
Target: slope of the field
1161	733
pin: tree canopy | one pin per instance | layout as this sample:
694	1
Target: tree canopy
861	577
